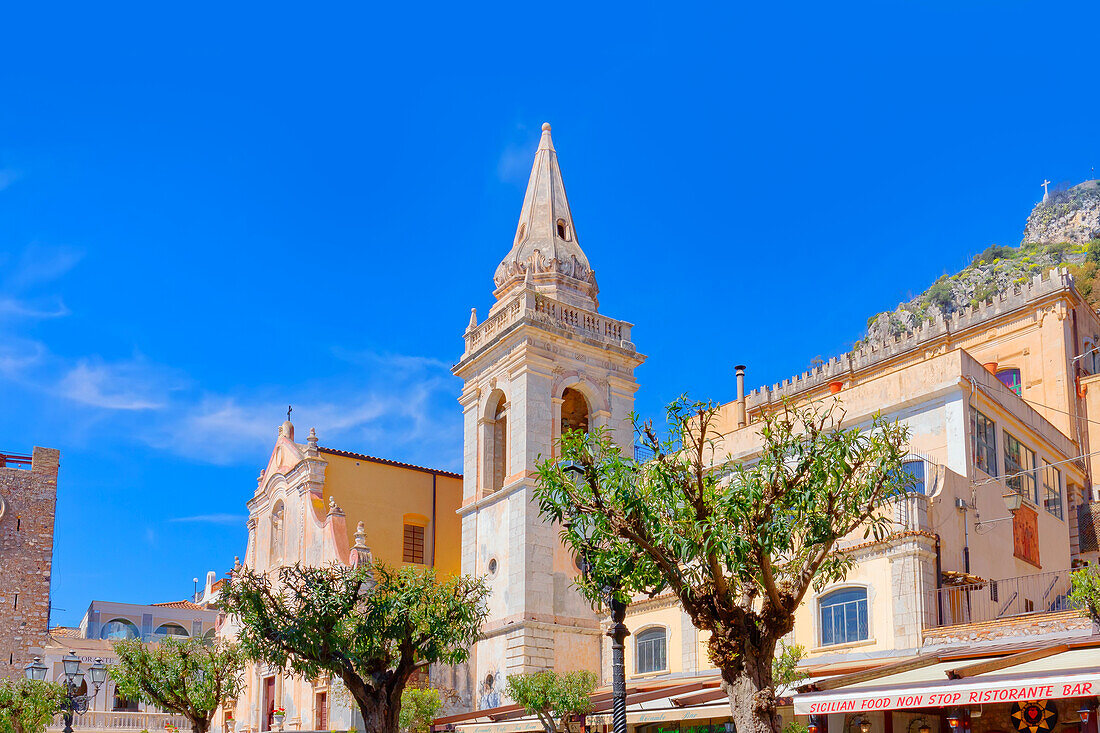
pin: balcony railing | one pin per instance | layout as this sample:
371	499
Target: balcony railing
15	460
1000	599
125	720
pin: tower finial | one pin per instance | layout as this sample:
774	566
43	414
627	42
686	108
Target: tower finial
546	127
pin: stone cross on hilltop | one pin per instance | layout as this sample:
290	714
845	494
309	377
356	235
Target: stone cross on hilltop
1046	193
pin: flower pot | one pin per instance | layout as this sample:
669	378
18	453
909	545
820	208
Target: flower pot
835	387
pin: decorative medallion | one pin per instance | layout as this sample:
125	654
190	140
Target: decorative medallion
1035	716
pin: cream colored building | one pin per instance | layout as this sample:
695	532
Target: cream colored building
996	391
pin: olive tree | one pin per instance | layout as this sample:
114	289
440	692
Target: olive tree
738	542
28	706
372	627
190	677
552	697
1085	592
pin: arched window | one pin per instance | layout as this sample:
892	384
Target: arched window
1011	379
651	650
915	467
844	616
563	230
119	629
498	448
171	630
574	411
209	637
277	522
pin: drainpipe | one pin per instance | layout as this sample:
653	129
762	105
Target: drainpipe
939	583
435	530
742	420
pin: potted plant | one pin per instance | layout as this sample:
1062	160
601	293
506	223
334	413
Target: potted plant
279	714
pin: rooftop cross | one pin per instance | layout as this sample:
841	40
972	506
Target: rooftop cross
289	410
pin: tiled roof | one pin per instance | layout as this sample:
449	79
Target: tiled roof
1088	526
68	631
387	462
179	604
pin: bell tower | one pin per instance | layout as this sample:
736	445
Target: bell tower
544	358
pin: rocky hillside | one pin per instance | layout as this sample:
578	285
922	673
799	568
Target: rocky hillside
1063	231
1072	215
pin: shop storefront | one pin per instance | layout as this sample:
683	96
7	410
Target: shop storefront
1045	690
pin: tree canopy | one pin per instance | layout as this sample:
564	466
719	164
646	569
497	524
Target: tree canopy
419	706
738	542
372	626
1085	591
552	697
190	677
28	706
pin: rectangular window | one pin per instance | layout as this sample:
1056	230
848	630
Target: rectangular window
916	470
1020	469
1052	490
983	442
414	544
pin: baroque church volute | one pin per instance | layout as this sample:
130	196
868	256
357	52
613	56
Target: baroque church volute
543	360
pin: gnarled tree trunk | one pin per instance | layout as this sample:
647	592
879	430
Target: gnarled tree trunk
749	683
379	706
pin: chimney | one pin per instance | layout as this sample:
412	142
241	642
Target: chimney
742	420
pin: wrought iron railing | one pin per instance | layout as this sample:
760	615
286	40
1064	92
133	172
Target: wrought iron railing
126	720
15	460
998	599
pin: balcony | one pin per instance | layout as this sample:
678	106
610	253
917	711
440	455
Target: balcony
995	600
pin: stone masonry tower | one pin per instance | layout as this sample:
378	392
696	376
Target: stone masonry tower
28	496
544	359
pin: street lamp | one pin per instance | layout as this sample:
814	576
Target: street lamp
74	704
583	529
35	670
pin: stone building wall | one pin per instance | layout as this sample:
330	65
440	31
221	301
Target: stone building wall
28	496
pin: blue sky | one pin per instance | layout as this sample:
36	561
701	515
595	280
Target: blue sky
207	213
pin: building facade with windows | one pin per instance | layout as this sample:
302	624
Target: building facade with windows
316	506
997	402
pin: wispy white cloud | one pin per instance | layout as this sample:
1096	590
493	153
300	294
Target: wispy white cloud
133	384
40	264
11	307
230	519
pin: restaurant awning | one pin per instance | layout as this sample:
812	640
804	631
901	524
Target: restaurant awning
981	681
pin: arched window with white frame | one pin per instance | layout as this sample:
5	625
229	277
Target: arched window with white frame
843	616
651	650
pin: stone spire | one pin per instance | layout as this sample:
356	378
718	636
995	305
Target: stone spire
546	241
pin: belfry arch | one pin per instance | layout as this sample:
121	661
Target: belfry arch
494	441
575	412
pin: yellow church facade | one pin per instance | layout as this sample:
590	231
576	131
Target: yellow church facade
318	505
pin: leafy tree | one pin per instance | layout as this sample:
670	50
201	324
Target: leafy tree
552	697
372	626
739	543
28	706
190	677
1085	591
419	706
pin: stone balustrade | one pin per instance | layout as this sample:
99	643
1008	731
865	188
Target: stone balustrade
126	720
538	308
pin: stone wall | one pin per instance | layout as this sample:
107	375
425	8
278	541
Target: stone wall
1014	628
26	555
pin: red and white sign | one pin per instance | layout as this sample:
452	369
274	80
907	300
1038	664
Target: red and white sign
948	694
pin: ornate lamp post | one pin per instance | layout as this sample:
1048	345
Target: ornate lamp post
73	704
617	631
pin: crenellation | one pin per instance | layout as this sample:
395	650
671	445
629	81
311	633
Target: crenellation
869	353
